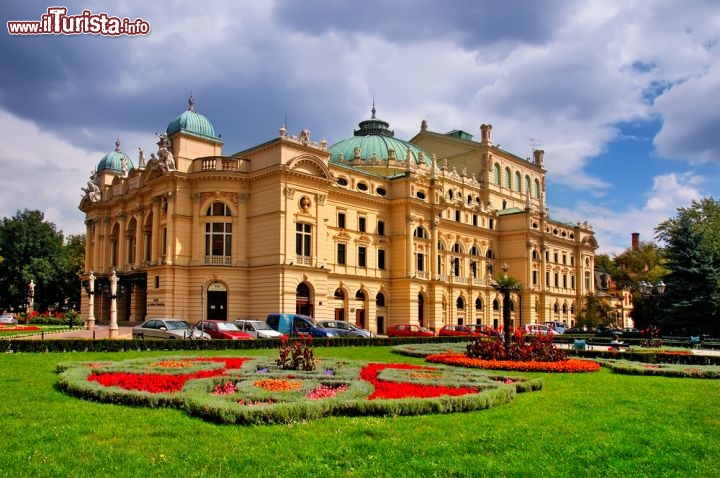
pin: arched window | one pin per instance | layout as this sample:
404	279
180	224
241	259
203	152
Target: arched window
496	174
218	235
460	303
564	308
420	233
474	251
490	254
518	182
457	248
536	192
380	299
527	184
456	266
339	294
555	308
496	304
508	178
360	295
478	304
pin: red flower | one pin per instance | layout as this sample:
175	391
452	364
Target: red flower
385	389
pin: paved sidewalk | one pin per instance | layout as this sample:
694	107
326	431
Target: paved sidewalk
100	332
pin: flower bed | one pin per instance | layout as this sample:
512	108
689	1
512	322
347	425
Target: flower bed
666	370
19	328
252	390
563	366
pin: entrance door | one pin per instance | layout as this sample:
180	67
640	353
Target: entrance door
303	300
360	318
216	301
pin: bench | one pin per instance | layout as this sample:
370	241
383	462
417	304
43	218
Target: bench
582	344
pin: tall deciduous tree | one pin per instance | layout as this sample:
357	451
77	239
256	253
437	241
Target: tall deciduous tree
32	249
691	302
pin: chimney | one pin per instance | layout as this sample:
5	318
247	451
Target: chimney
539	155
485	132
635	241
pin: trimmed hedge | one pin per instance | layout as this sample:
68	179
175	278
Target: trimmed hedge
108	345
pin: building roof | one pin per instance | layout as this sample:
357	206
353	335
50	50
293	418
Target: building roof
375	141
114	159
193	123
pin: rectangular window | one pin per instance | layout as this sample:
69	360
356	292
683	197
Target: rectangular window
475	219
457	216
557	280
341	254
164	241
473	269
362	224
157	282
303	239
420	262
547	279
362	256
381	259
565	281
572	282
341	220
491	223
555	255
535	277
381	228
564	259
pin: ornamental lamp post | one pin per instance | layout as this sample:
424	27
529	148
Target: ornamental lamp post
647	289
30	296
89	286
116	290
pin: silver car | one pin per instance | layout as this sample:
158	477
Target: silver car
167	329
8	319
257	328
344	329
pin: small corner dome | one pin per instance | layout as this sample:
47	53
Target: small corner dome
374	138
192	123
113	160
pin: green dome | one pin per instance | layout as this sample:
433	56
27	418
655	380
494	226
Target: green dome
375	138
114	159
192	123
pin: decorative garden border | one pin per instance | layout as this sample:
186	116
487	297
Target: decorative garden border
254	390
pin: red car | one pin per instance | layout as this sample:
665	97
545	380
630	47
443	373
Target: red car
409	330
219	329
458	330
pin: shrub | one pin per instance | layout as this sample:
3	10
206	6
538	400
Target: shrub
533	348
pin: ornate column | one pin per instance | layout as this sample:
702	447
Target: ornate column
156	234
409	264
121	243
171	251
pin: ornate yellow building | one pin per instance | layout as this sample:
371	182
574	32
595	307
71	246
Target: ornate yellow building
372	229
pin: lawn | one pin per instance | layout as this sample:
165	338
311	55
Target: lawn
594	424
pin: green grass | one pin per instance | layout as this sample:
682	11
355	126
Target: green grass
598	424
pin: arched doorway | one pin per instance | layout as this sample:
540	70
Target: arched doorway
217	301
421	310
339	297
303	300
360	309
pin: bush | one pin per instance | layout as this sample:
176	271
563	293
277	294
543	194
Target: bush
535	348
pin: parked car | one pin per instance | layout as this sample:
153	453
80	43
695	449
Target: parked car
8	319
296	324
257	328
457	331
219	329
344	329
409	330
167	329
606	331
538	329
557	326
576	330
483	330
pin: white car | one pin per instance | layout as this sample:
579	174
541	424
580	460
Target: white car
257	328
167	329
538	329
8	319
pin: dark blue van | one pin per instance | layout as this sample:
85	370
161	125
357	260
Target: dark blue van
295	324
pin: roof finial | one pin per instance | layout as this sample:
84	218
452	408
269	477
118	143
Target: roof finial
117	144
373	108
191	103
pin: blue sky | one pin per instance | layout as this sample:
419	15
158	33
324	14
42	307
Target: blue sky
622	96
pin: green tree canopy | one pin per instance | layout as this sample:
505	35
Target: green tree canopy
691	302
32	249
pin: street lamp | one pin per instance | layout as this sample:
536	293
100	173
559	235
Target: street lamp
646	288
114	291
89	286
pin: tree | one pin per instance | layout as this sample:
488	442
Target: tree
506	286
596	312
32	249
691	302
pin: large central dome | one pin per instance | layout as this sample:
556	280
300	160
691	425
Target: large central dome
373	142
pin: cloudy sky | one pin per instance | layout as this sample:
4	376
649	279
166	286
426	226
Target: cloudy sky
621	95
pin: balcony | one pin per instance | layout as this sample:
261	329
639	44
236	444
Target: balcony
218	260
